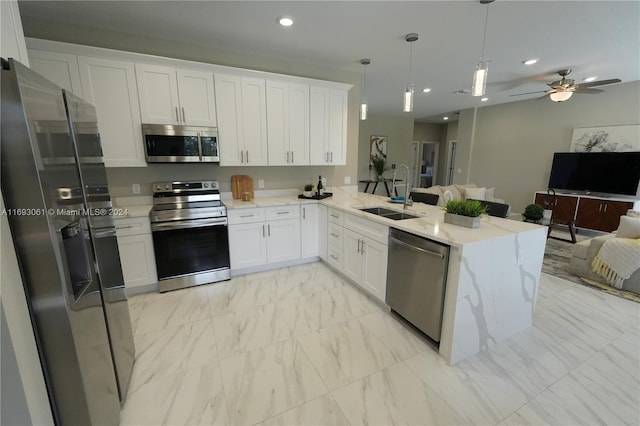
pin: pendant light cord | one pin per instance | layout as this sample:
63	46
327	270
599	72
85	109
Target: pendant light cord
364	84
484	37
410	62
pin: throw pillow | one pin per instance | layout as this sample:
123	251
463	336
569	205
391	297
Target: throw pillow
476	193
446	197
455	194
490	194
461	188
629	227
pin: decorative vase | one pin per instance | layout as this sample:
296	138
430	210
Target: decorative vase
308	194
466	221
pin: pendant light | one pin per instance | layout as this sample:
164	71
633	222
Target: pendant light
479	85
363	102
407	105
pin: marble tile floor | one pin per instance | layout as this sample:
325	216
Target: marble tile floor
300	346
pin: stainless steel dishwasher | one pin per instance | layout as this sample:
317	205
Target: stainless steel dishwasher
416	279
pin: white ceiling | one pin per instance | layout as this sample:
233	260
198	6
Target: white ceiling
594	38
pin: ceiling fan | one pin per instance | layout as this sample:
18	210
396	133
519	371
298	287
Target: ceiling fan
561	90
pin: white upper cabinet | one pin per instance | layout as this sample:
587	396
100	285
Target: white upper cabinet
110	86
288	123
242	120
175	96
60	68
328	126
12	43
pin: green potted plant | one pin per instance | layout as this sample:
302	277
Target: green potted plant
308	190
464	212
379	165
533	212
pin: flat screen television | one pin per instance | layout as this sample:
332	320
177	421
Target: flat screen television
601	172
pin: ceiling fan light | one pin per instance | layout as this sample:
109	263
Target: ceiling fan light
408	99
560	96
479	84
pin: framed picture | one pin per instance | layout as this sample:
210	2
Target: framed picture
377	147
606	139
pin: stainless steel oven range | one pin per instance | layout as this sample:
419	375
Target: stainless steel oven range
190	239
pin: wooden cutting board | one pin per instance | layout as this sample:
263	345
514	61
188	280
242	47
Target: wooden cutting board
240	184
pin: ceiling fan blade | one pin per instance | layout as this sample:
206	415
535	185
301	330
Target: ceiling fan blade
531	93
542	97
589	91
599	83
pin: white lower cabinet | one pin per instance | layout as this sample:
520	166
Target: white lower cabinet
247	245
310	230
263	235
364	253
322	231
137	257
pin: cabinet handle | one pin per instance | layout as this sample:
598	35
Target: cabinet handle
605	207
184	118
287	156
600	207
335	216
177	115
334	235
242	156
292	157
333	257
362	251
359	245
304	211
246	215
269	230
332	157
262	231
124	227
247	156
327	157
284	212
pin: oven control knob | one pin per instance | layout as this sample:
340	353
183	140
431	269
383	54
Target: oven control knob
206	185
167	187
158	187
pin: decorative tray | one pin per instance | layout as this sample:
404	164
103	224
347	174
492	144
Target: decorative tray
391	200
316	197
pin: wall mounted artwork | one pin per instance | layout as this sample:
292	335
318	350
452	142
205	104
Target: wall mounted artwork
377	147
606	139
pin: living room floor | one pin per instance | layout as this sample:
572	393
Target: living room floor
301	346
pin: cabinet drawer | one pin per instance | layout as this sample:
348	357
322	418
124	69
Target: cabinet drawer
283	212
335	234
336	216
236	216
367	228
132	226
334	256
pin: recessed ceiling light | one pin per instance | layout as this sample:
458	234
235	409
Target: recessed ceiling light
445	118
530	61
426	90
285	21
484	99
590	79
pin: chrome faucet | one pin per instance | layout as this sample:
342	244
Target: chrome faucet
407	202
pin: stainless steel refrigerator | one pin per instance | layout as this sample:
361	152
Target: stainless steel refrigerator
57	200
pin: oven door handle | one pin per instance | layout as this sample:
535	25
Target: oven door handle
198	223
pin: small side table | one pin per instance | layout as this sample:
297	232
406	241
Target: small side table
375	183
572	229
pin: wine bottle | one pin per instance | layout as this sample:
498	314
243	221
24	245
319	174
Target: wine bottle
319	186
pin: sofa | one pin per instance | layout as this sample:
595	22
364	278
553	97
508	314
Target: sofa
584	252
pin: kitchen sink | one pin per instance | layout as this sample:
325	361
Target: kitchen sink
399	216
389	214
380	211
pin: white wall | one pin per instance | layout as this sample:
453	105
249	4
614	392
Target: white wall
511	146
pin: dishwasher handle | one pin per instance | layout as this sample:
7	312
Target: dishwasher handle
414	248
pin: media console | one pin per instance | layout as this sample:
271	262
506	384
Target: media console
587	211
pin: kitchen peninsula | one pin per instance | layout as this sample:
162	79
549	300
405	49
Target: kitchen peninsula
493	271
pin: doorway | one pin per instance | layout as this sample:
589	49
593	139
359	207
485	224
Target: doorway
425	163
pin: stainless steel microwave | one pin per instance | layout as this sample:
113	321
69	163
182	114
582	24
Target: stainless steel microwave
167	143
